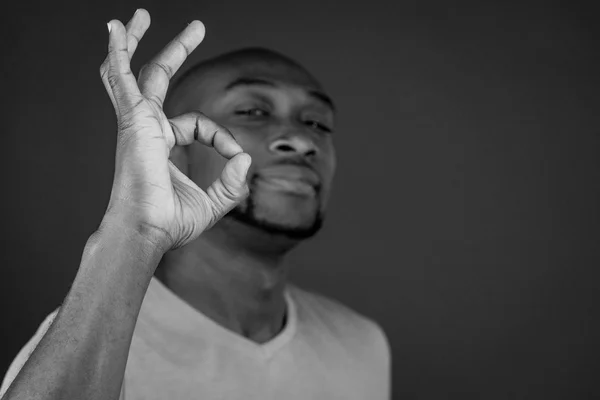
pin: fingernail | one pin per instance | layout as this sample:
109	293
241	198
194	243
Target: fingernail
136	11
245	164
109	26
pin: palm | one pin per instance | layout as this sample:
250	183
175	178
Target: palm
148	188
183	202
173	197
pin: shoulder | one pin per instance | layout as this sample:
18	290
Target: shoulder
339	320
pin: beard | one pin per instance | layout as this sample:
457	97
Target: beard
247	214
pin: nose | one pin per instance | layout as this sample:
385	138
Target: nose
294	145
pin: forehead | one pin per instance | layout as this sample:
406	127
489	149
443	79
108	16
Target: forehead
281	73
218	80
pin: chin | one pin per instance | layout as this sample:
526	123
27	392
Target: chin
293	222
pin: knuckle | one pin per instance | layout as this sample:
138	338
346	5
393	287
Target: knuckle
206	123
103	68
179	136
164	67
135	37
229	193
217	210
126	126
113	81
184	47
198	114
155	99
143	69
226	131
200	119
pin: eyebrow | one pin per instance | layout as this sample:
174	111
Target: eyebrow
323	97
246	81
249	82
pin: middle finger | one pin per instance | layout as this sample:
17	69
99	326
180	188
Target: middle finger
136	28
154	76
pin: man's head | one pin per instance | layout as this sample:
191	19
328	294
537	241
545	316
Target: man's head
280	115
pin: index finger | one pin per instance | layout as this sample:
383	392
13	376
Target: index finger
155	76
195	126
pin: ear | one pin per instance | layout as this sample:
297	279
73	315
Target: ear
179	157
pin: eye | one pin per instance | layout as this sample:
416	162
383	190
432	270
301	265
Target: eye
253	112
318	126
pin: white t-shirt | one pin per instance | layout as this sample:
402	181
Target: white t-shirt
325	351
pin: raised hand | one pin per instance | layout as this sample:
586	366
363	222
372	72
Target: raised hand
149	194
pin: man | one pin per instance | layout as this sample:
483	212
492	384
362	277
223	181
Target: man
170	300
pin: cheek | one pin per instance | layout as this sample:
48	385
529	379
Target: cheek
332	161
205	165
247	138
251	143
328	172
329	161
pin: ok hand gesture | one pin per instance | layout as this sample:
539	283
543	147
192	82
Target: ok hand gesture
149	194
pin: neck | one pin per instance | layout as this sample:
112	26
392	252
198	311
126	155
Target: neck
235	275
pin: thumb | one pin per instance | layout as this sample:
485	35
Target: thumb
231	187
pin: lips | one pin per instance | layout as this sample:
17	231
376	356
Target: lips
290	178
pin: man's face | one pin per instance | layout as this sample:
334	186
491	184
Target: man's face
282	118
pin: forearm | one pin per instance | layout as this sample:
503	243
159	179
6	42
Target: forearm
84	352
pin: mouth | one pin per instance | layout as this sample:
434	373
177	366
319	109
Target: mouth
291	186
294	180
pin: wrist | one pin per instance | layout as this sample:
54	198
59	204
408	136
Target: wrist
146	245
146	235
117	265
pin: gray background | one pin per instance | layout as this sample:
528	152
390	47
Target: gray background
464	217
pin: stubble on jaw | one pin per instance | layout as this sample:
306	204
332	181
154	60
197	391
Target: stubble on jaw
246	212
